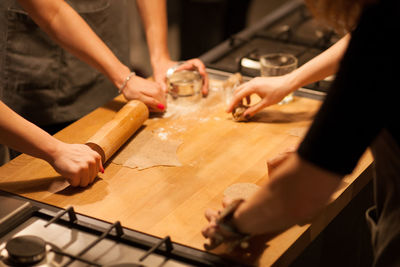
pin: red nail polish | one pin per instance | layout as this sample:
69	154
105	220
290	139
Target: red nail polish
160	106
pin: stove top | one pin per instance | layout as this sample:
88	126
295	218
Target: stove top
36	234
289	29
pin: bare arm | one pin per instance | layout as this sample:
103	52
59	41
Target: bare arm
78	163
294	194
320	67
67	28
274	89
154	17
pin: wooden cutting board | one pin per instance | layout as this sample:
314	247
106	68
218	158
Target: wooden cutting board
216	152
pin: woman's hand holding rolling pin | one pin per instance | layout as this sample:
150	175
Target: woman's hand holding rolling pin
79	164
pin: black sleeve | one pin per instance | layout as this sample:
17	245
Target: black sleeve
356	107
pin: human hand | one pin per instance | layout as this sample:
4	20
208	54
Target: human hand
221	227
210	231
79	164
160	71
150	93
198	65
271	90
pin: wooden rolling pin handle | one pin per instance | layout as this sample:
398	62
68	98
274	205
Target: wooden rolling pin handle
112	135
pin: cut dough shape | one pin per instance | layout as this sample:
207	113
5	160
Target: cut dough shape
240	190
146	150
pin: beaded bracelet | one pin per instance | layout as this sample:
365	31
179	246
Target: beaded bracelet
126	81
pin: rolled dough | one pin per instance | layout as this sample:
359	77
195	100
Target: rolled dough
147	150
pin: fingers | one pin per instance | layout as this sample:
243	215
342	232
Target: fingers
252	110
162	83
210	229
79	164
74	180
248	100
196	63
240	93
150	93
153	104
202	70
85	175
204	88
97	167
211	215
226	201
244	92
89	169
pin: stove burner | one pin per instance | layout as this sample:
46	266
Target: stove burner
26	249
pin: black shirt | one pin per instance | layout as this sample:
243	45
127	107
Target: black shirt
363	99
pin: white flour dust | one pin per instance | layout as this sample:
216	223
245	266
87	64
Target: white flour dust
162	133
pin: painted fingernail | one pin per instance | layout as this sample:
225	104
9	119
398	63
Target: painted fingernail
102	170
161	106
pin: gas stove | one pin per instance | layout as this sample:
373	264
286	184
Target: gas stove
289	29
37	234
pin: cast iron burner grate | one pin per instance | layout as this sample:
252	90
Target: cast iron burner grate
55	237
29	250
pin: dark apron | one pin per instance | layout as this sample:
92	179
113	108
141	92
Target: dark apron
44	83
384	218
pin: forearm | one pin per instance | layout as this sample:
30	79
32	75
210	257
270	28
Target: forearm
321	66
23	136
154	17
296	193
67	28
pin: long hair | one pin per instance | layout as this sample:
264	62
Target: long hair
342	15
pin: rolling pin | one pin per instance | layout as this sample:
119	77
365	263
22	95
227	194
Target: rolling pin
112	135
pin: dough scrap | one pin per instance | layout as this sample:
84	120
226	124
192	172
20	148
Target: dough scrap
241	190
147	150
238	112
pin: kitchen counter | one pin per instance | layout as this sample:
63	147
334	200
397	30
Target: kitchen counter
216	152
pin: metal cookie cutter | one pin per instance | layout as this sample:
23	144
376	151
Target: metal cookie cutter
183	82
